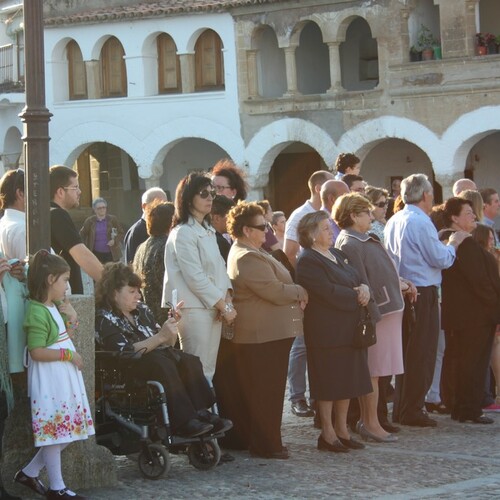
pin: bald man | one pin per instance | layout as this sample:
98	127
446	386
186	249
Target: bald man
463	185
330	191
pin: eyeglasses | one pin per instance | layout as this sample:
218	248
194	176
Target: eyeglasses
101	207
221	188
205	193
260	227
73	188
381	204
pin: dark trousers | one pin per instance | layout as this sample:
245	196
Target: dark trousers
420	340
228	394
261	376
181	375
472	358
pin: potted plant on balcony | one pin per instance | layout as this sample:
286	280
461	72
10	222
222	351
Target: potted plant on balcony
415	54
426	40
484	41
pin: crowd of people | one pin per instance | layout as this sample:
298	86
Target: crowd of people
226	300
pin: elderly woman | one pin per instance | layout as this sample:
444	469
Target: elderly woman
102	233
470	313
352	213
125	324
337	370
149	259
269	317
379	198
196	272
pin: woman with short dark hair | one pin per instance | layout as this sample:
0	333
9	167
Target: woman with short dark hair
196	272
269	317
149	260
470	313
337	370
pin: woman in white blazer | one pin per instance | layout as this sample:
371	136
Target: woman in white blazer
196	270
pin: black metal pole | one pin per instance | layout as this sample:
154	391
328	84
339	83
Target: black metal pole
36	117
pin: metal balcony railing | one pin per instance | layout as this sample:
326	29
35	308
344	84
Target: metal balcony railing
10	78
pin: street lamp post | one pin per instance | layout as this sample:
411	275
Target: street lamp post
36	117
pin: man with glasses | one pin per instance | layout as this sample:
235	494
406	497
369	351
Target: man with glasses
102	233
65	240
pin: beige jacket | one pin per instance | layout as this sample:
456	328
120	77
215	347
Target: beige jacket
194	266
265	297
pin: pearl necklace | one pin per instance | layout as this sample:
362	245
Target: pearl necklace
326	254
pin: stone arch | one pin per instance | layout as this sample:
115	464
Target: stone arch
363	137
347	16
156	147
196	34
270	140
68	147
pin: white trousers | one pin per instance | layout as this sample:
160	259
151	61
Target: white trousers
199	334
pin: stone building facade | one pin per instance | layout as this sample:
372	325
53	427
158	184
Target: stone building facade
143	92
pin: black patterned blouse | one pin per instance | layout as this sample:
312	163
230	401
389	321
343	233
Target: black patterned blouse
115	333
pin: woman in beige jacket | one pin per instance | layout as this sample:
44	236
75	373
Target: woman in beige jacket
269	306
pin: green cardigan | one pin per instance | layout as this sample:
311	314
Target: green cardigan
40	326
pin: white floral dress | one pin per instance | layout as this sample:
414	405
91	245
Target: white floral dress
60	411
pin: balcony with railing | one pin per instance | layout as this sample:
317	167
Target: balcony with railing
11	69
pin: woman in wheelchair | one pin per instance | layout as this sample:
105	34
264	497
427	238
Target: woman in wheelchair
123	323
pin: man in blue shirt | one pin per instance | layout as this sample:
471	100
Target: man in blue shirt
413	243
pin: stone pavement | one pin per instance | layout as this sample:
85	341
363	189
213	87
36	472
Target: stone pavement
451	461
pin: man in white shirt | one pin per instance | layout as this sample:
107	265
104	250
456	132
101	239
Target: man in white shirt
13	222
298	362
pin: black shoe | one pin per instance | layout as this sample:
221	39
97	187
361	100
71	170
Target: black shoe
33	483
58	495
302	409
220	424
438	408
4	495
352	443
194	428
482	419
420	420
336	446
388	427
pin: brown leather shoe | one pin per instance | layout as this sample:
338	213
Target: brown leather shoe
33	483
62	494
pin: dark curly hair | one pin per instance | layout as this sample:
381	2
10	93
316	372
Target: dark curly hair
115	276
187	189
452	207
242	215
234	175
344	161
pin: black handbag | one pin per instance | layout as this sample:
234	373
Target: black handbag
364	335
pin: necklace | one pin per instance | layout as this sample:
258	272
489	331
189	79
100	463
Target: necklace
326	254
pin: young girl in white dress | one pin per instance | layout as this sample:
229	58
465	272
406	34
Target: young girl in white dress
60	411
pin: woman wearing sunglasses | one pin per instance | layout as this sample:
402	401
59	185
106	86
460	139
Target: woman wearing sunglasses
269	306
196	273
379	199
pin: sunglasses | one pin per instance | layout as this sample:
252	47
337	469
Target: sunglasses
381	204
260	227
205	193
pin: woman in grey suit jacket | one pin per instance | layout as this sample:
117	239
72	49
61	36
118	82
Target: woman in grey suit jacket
195	269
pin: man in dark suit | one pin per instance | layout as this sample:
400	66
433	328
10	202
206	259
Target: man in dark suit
138	233
220	208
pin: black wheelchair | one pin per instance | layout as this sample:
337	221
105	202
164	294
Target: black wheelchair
131	416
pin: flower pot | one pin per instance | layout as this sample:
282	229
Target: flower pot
415	56
491	48
427	54
481	50
438	54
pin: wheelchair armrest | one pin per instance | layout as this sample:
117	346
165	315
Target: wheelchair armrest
118	355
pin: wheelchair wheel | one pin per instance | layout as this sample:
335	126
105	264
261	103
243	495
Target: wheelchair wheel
204	455
154	462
